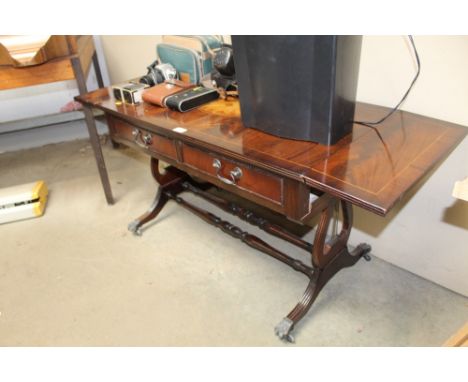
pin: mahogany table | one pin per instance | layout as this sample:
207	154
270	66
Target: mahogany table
209	147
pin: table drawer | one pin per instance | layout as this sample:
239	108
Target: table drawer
142	138
235	174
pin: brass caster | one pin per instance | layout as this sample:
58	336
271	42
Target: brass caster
283	330
134	228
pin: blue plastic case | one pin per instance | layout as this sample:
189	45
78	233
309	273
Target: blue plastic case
195	63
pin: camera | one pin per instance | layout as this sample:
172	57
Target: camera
224	75
129	92
224	61
158	73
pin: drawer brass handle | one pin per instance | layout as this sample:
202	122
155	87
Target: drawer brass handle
142	141
235	174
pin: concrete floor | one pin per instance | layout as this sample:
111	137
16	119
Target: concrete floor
77	277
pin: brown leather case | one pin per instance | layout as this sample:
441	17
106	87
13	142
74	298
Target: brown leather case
158	93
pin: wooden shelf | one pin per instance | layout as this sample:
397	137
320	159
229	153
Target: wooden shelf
41	61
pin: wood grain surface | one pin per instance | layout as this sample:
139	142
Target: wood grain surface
370	167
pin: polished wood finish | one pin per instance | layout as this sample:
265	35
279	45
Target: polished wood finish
206	147
257	182
326	257
168	182
250	217
371	167
121	130
286	196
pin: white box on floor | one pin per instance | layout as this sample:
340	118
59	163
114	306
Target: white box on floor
22	202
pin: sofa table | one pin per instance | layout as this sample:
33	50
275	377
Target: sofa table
210	148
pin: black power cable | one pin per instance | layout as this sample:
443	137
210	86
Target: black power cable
370	124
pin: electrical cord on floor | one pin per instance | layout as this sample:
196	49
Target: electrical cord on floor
372	124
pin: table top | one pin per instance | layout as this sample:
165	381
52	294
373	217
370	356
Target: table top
370	167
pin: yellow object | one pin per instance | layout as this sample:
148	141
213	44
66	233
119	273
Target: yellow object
40	192
460	338
23	202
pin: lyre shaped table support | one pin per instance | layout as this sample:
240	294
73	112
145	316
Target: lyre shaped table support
327	257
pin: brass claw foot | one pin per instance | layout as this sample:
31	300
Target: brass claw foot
134	227
362	250
283	330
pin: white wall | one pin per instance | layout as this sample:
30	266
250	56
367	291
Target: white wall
387	67
427	233
128	56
